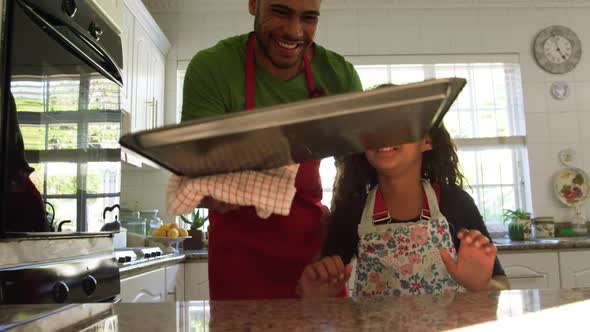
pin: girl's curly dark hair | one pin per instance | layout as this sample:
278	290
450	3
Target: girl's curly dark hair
355	178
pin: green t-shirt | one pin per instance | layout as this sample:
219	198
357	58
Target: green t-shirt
214	83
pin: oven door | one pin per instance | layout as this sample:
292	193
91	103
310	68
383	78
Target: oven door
63	111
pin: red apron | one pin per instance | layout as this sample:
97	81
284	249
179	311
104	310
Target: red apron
253	258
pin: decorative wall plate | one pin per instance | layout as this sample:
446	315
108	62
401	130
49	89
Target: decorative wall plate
571	186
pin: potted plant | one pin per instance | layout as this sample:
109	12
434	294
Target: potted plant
197	220
519	226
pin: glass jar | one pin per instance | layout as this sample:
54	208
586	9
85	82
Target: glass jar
544	227
564	229
153	222
133	222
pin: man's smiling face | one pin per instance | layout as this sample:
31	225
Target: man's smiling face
285	29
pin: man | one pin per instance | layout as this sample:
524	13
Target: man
250	258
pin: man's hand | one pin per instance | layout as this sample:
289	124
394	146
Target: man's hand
324	278
475	260
217	206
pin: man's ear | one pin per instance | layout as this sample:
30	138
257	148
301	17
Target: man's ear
252	7
427	143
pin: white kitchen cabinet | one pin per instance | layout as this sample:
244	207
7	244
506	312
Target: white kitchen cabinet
147	287
575	269
144	53
139	79
112	12
127	42
531	270
175	283
196	276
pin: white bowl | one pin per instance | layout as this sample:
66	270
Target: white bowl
170	242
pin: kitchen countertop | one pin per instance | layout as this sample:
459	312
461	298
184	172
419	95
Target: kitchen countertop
504	245
127	271
527	310
187	256
196	255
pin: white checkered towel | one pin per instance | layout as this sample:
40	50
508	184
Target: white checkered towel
269	191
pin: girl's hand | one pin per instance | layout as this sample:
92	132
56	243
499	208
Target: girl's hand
324	278
475	260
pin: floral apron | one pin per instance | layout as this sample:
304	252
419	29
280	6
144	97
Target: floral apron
404	258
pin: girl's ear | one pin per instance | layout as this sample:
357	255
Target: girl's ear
427	143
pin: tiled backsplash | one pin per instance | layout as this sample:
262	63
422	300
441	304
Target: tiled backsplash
145	189
429	29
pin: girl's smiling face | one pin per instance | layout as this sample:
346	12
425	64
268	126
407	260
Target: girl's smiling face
398	159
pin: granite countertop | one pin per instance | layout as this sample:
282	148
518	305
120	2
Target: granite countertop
526	310
196	255
543	244
187	256
127	271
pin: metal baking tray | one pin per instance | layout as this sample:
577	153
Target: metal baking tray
297	132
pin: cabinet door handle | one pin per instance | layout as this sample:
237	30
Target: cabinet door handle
155	111
527	277
153	104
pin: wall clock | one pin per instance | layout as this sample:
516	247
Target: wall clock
557	49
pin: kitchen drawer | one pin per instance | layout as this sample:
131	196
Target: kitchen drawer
148	287
197	281
575	269
531	270
175	283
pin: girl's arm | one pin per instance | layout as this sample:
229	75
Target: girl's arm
474	264
461	212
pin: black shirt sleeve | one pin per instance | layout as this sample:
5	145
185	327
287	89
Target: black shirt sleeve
461	212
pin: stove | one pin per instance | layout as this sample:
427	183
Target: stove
136	255
86	279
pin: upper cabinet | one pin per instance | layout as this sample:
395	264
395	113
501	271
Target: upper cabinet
144	59
146	80
144	56
112	10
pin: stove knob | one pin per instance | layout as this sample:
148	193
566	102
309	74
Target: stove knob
69	7
89	285
147	255
95	30
121	260
127	259
60	292
158	253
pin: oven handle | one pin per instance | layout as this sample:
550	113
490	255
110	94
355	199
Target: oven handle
103	54
114	300
112	72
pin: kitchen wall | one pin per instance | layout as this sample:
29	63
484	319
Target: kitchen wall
403	27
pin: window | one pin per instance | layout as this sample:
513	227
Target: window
486	122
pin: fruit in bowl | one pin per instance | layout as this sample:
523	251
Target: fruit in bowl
170	230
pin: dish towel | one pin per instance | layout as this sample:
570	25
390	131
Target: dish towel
270	191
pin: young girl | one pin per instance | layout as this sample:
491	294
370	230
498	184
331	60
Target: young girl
402	212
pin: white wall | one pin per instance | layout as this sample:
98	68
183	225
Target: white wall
470	27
